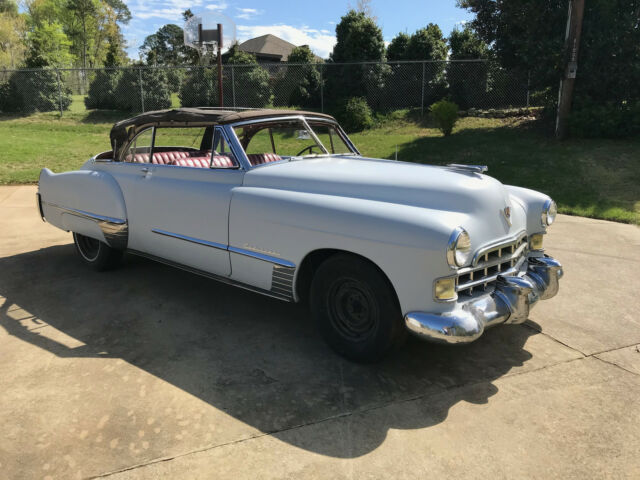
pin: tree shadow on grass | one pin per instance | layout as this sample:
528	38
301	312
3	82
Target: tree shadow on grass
255	358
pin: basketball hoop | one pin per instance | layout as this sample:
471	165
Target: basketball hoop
209	32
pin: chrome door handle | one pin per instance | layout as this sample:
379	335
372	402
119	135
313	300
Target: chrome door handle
144	170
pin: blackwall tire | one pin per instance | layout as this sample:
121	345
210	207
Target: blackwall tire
356	309
96	254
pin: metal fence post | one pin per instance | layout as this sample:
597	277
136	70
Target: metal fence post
59	91
233	85
528	83
422	99
321	88
141	89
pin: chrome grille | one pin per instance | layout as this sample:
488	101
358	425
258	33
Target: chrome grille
488	263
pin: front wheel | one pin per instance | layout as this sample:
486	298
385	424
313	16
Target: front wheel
98	255
356	309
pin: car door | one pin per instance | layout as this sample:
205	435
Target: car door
179	212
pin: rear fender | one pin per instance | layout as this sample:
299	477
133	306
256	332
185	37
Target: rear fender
86	202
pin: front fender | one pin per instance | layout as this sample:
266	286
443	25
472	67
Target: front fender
86	202
407	243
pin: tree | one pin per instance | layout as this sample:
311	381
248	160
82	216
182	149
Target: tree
12	35
397	49
154	87
358	39
166	47
48	46
467	80
84	11
300	84
252	85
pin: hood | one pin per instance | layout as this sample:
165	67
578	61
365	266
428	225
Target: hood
472	200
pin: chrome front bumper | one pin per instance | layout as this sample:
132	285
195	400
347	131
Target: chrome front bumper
510	302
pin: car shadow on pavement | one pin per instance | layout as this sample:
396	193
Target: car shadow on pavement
255	358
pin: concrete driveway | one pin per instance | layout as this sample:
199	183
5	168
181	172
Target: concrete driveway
151	372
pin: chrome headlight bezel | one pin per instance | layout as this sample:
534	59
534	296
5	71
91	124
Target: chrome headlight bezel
458	248
549	213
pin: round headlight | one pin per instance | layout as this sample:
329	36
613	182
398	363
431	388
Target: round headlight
459	248
549	212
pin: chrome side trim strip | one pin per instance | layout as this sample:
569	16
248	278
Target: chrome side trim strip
213	276
198	241
89	215
262	256
115	230
220	246
39	205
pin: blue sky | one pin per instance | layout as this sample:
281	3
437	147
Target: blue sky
308	22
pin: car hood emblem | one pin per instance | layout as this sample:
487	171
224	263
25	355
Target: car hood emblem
506	211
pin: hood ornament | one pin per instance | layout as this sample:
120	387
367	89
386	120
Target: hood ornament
506	211
469	168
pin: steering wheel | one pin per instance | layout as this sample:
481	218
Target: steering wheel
309	147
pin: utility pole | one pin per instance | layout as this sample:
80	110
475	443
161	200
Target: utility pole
571	47
220	89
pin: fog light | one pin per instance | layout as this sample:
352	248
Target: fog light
535	241
445	289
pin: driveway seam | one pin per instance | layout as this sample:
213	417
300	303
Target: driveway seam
556	340
616	365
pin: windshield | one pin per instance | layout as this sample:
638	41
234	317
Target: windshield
290	138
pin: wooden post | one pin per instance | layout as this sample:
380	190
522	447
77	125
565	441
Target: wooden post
571	46
220	89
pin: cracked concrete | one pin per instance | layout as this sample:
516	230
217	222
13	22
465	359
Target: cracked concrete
150	372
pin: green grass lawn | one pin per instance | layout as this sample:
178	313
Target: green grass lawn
589	177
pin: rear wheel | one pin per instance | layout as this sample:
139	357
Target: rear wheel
98	255
356	309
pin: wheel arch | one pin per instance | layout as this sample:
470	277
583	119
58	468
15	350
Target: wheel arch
312	261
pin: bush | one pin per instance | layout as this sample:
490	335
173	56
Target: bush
199	88
174	77
608	120
356	115
445	114
34	91
102	90
154	85
252	86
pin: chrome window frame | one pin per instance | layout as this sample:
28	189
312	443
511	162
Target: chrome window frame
153	139
343	135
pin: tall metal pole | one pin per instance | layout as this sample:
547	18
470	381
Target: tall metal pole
571	46
141	89
322	88
59	91
422	99
220	89
233	85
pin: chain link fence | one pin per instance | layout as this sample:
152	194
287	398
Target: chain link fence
323	87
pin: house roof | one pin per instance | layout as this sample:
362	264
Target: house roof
268	45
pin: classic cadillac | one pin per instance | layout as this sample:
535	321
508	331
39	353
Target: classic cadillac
282	203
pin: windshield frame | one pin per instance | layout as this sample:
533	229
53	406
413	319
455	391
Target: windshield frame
305	121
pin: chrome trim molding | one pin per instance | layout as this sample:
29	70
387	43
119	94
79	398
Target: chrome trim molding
229	248
262	256
510	303
213	276
39	205
198	241
115	230
503	243
282	281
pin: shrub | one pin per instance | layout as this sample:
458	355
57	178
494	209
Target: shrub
102	90
199	88
445	114
252	86
608	120
34	91
154	86
356	115
174	77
